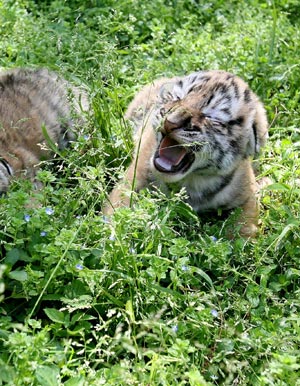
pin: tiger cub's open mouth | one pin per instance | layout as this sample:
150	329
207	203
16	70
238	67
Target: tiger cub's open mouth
172	157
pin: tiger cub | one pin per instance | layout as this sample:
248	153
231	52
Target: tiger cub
29	100
199	132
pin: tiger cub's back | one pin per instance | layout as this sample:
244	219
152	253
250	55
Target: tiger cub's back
29	100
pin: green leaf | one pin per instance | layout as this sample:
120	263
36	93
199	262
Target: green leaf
12	256
196	379
77	381
277	186
7	374
4	334
287	229
180	247
55	315
49	141
226	345
18	275
130	311
47	375
204	276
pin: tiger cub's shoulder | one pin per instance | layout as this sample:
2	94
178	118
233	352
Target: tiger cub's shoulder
26	91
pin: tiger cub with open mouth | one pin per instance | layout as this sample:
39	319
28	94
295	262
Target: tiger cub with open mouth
199	132
29	100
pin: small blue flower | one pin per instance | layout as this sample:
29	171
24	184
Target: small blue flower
185	268
214	239
49	211
86	137
79	267
43	233
27	217
112	237
214	313
175	328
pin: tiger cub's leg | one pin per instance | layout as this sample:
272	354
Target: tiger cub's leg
248	219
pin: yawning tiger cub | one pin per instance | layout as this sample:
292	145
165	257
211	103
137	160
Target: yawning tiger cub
201	132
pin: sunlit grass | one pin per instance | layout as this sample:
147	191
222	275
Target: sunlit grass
154	295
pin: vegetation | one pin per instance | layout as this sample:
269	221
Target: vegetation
156	295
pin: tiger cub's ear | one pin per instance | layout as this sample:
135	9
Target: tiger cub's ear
261	127
166	92
171	91
259	132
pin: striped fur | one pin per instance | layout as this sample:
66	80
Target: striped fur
199	132
29	100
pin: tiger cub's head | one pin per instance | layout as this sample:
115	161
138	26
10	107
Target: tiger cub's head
207	123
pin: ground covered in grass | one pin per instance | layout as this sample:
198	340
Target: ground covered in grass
157	296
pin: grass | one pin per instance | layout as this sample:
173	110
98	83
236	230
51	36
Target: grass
158	296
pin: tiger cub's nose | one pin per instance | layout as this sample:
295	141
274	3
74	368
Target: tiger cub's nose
176	119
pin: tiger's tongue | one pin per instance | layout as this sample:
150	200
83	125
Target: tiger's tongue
170	153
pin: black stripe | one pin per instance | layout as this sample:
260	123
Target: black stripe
223	88
247	96
237	121
6	165
236	89
205	78
209	99
254	128
235	146
193	79
226	110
